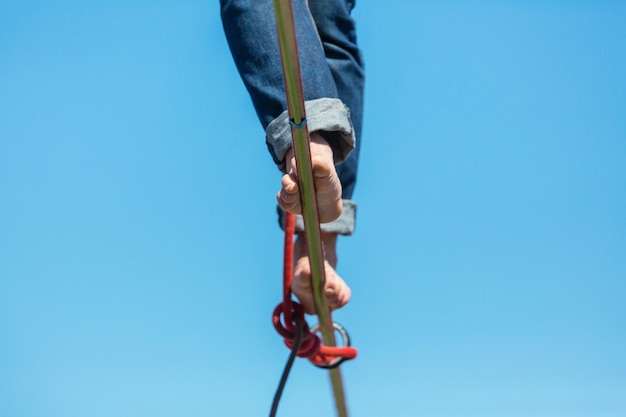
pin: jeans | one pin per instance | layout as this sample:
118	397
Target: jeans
332	80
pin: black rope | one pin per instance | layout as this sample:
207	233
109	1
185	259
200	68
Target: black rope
292	356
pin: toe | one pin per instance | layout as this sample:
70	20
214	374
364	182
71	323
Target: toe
289	183
288	197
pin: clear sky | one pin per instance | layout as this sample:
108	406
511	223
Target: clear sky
139	254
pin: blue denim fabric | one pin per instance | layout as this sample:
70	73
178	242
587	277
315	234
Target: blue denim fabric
331	67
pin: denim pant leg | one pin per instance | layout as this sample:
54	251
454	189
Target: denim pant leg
337	32
251	33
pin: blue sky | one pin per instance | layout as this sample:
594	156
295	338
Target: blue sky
139	254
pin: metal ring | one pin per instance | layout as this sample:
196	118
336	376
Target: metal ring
346	343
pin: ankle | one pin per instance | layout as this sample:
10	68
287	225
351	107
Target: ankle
329	240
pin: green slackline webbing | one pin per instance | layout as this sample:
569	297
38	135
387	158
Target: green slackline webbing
299	131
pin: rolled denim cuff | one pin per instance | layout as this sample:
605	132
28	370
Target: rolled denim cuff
344	225
328	116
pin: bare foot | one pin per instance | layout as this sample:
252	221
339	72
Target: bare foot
327	185
336	290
